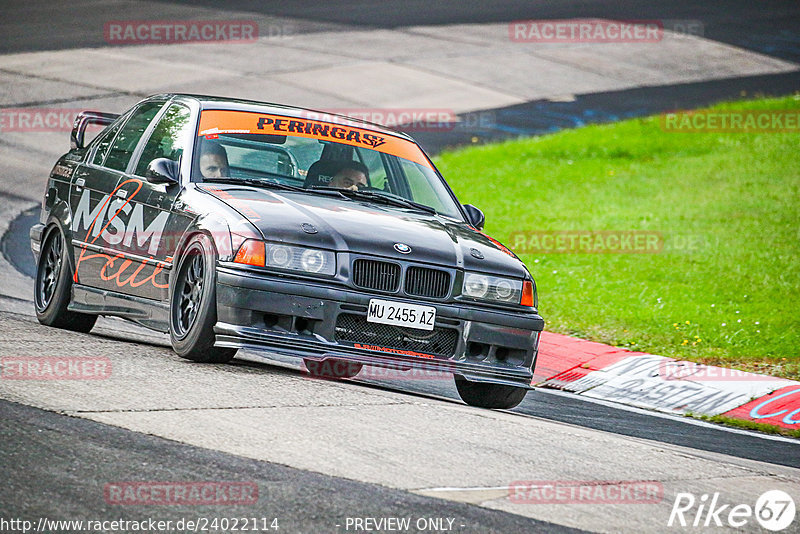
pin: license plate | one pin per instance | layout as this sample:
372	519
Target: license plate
401	314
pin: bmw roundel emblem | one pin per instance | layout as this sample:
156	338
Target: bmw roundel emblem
402	248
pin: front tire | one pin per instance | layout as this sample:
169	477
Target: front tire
193	304
492	396
53	288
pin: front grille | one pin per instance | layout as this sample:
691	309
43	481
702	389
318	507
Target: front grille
356	329
377	275
423	282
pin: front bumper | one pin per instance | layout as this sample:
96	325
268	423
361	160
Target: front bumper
302	319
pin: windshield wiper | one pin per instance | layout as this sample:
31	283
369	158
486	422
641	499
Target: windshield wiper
380	197
254	181
268	183
423	207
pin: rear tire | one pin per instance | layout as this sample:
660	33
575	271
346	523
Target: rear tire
332	369
492	396
193	304
53	288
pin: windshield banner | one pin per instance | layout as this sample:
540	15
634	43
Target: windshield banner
216	122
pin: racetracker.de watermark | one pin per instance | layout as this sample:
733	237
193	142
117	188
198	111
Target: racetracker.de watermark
37	119
585	492
586	31
408	119
601	30
587	242
181	493
336	368
55	367
698	372
137	32
721	121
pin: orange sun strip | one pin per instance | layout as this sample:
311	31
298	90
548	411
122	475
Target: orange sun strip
215	121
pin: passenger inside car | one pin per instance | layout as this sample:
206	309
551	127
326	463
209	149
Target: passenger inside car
352	175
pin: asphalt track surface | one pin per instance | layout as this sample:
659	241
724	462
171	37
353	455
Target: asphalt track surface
66	460
768	27
51	462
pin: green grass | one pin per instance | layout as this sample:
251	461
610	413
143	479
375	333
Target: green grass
724	290
747	425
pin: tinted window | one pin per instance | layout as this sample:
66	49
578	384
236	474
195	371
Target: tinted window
121	151
105	142
169	138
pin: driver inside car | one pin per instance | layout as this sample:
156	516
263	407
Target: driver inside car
352	175
214	161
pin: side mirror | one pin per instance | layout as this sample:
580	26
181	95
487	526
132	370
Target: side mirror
475	216
84	119
162	171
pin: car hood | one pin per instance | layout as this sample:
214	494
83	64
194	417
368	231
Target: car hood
369	228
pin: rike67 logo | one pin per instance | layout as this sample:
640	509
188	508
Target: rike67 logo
774	510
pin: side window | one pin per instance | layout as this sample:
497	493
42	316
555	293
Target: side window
104	143
121	151
169	138
420	185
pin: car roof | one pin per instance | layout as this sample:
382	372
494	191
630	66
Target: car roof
238	104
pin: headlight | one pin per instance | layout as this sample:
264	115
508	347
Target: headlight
307	260
476	285
279	256
492	288
504	289
312	261
302	259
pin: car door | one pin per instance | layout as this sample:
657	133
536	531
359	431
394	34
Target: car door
91	186
96	201
152	228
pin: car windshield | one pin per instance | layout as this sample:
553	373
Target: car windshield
317	156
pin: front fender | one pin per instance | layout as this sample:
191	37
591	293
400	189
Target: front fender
59	218
225	236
